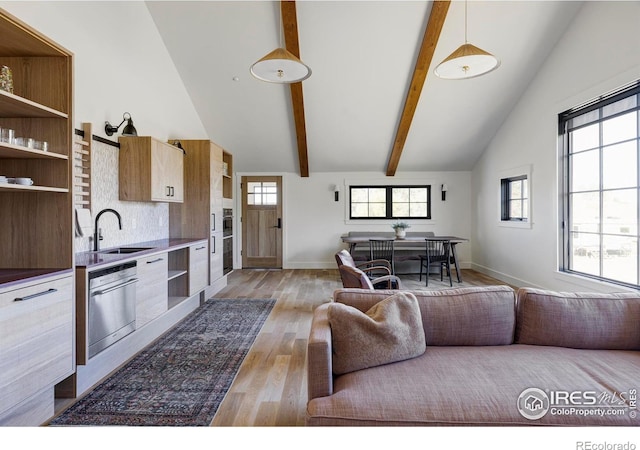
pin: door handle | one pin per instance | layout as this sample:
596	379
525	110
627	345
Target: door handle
155	261
279	223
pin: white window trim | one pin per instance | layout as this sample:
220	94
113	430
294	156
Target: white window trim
512	173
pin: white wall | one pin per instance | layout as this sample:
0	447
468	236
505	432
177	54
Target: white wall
121	64
313	221
599	52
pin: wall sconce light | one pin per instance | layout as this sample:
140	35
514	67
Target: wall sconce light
444	188
336	193
128	130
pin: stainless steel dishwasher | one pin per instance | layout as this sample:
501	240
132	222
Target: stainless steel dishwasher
112	305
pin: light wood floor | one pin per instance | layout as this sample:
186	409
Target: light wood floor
271	386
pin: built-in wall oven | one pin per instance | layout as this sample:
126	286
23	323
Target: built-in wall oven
227	255
112	305
227	222
227	240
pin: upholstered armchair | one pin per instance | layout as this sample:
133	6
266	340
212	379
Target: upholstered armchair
352	277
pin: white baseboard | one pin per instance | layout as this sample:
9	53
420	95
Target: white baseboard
503	276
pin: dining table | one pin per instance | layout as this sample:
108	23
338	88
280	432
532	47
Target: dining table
414	239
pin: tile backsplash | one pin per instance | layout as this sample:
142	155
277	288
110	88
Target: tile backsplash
141	221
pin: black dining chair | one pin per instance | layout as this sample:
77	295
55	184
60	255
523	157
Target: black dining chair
437	254
382	249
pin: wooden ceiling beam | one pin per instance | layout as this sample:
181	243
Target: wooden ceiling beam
436	20
290	26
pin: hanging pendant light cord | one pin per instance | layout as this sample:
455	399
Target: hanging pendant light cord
465	22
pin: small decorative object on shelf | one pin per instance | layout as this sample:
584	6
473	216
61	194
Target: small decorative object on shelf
400	228
6	79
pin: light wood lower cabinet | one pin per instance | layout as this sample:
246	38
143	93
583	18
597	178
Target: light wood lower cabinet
216	252
198	268
36	348
152	289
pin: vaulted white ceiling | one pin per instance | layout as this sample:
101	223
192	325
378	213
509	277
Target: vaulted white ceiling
362	54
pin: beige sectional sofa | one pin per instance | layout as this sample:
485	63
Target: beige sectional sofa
493	357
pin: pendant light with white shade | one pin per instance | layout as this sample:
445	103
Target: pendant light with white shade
467	61
280	66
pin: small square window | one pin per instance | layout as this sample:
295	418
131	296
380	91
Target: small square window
514	195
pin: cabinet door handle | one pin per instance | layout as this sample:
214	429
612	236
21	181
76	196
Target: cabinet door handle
168	191
200	248
172	191
126	283
155	261
29	297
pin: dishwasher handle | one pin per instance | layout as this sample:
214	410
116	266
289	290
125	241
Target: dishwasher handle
113	288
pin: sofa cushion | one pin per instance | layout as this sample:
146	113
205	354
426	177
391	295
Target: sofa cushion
479	386
388	332
480	315
578	320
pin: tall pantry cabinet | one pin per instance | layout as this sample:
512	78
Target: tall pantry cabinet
200	215
37	307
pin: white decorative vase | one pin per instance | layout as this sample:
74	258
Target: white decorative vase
400	233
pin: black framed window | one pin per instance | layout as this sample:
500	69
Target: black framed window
390	202
514	193
600	144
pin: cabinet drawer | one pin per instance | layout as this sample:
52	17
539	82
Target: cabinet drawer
198	267
151	292
36	338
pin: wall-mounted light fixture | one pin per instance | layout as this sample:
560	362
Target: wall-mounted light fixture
128	130
336	192
443	189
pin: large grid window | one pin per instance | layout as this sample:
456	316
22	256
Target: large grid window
515	198
601	156
390	202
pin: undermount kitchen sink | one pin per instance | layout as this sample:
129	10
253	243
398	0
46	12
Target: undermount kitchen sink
126	250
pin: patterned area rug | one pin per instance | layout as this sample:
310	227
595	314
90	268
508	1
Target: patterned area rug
180	379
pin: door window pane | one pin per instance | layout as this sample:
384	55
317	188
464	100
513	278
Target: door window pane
262	193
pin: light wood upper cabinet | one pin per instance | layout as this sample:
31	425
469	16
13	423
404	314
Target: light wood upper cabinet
150	170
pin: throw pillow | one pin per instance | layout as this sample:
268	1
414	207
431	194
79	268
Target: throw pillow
388	332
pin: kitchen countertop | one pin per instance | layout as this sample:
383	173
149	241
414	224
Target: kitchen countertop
11	277
91	260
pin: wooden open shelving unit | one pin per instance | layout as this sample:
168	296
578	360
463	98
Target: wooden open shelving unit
38	232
